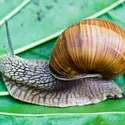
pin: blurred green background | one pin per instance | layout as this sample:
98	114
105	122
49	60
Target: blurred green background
39	19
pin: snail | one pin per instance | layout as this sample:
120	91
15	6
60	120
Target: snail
84	59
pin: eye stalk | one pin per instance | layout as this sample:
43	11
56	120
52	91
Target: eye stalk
9	39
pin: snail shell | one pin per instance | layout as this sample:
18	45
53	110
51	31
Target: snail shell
90	46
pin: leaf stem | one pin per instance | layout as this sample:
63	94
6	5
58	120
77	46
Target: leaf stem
106	9
54	35
4	93
62	114
16	10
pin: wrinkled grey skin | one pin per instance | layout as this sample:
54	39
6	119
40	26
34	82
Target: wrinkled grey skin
31	81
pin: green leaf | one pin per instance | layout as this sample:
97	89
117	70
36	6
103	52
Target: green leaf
9	5
64	119
29	28
25	29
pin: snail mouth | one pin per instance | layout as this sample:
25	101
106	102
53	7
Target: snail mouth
3	62
2	68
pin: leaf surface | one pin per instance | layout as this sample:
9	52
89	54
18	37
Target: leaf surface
27	27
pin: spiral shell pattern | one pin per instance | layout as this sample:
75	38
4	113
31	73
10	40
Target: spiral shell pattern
90	46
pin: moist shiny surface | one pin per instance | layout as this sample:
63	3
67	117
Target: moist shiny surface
31	82
90	46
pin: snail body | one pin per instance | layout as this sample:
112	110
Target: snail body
85	58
